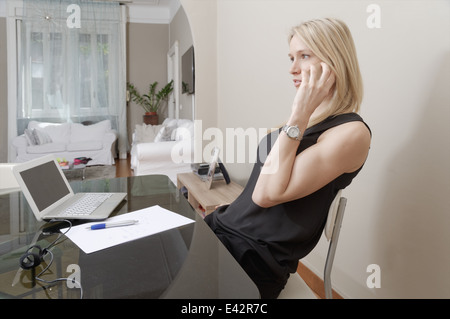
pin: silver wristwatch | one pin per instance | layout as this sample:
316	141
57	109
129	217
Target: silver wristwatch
292	131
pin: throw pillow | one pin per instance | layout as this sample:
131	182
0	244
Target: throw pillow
29	136
41	137
165	133
185	131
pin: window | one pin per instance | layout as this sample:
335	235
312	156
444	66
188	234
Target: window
52	64
66	72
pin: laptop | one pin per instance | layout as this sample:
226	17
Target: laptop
50	196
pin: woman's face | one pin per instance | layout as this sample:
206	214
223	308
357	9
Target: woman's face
301	57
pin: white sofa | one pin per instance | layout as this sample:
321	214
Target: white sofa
163	149
67	140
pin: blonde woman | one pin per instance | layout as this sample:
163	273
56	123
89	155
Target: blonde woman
280	215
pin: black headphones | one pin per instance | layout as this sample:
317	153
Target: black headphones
32	259
34	256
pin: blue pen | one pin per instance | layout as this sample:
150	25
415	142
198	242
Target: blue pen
117	224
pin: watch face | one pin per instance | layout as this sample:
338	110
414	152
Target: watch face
293	131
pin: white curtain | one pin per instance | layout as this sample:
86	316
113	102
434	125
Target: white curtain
72	65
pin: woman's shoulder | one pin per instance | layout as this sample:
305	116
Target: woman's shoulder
347	126
350	131
337	120
351	138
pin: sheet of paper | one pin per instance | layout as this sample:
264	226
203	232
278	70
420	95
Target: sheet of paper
152	220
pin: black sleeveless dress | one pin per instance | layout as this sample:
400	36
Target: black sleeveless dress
268	242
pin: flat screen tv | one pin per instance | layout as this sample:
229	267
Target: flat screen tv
188	72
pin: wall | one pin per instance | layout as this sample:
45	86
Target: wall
147	46
202	15
3	94
397	215
3	86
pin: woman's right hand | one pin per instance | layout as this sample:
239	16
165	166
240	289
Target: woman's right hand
316	86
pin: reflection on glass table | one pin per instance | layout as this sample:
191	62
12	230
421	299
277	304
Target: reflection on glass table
184	262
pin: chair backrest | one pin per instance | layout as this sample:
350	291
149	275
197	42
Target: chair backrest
332	230
8	181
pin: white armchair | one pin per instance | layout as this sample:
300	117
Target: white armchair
163	149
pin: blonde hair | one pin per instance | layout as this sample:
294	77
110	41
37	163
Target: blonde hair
331	41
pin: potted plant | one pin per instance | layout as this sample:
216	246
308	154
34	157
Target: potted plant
151	101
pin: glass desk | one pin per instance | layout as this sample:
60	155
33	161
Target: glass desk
185	262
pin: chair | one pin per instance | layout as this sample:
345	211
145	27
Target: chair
8	182
296	288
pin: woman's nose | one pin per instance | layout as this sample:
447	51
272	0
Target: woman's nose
295	68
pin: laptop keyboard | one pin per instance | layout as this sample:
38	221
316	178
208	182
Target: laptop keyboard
86	204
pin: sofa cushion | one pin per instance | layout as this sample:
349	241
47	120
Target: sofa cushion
165	133
85	146
84	133
46	148
184	131
58	132
146	133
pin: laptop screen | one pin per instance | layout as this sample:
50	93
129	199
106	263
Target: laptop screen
45	184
